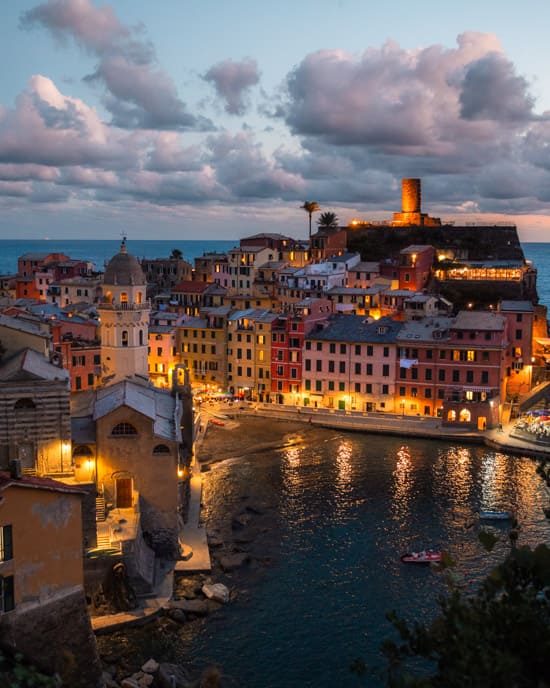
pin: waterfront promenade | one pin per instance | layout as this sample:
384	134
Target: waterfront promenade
396	424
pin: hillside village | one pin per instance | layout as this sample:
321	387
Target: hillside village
101	374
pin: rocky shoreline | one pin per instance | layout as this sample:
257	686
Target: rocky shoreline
241	551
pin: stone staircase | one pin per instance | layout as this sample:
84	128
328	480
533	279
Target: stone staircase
536	395
103	536
99	509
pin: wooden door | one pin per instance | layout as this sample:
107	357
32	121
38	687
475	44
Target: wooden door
123	493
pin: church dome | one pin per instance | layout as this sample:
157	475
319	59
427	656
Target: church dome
123	269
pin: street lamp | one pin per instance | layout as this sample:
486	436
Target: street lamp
402	408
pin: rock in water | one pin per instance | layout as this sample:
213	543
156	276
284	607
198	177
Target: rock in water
217	592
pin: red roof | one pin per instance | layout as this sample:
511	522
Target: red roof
189	286
38	483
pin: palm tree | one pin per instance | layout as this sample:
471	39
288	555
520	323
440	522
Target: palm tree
328	220
310	207
176	253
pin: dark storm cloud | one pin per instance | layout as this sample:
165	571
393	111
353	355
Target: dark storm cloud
232	80
491	90
139	94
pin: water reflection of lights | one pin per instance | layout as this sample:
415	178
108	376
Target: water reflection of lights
402	481
290	465
493	479
459	461
343	466
292	456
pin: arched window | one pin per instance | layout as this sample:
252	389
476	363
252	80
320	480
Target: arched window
123	297
124	430
451	416
138	297
24	403
465	416
161	449
124	337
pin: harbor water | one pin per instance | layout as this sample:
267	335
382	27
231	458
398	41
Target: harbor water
341	508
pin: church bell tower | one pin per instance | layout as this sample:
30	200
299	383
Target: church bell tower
124	315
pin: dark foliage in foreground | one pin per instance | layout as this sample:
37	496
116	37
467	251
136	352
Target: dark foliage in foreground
500	637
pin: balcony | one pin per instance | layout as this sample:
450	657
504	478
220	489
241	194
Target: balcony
146	305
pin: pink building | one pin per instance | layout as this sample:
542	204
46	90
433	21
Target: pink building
350	364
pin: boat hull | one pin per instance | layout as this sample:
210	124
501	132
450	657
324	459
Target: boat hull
495	515
421	557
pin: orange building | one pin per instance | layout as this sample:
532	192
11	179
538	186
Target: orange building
42	602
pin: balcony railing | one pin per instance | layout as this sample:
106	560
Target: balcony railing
114	306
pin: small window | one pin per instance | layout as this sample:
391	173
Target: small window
161	449
7	598
124	430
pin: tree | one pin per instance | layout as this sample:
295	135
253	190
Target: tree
328	220
498	637
176	253
310	207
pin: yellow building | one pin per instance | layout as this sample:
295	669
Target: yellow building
201	346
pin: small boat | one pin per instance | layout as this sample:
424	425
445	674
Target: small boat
424	557
215	421
495	515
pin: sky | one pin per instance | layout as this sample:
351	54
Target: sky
189	119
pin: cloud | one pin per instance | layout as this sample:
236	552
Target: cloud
167	154
491	90
241	167
433	105
52	129
232	81
345	130
138	93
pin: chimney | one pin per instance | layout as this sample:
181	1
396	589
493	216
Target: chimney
16	470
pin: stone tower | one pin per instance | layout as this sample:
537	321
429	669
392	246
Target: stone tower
411	196
124	315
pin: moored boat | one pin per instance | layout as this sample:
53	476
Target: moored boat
424	557
495	515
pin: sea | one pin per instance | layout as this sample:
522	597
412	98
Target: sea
99	252
333	512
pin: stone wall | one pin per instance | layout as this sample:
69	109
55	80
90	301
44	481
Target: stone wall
57	638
